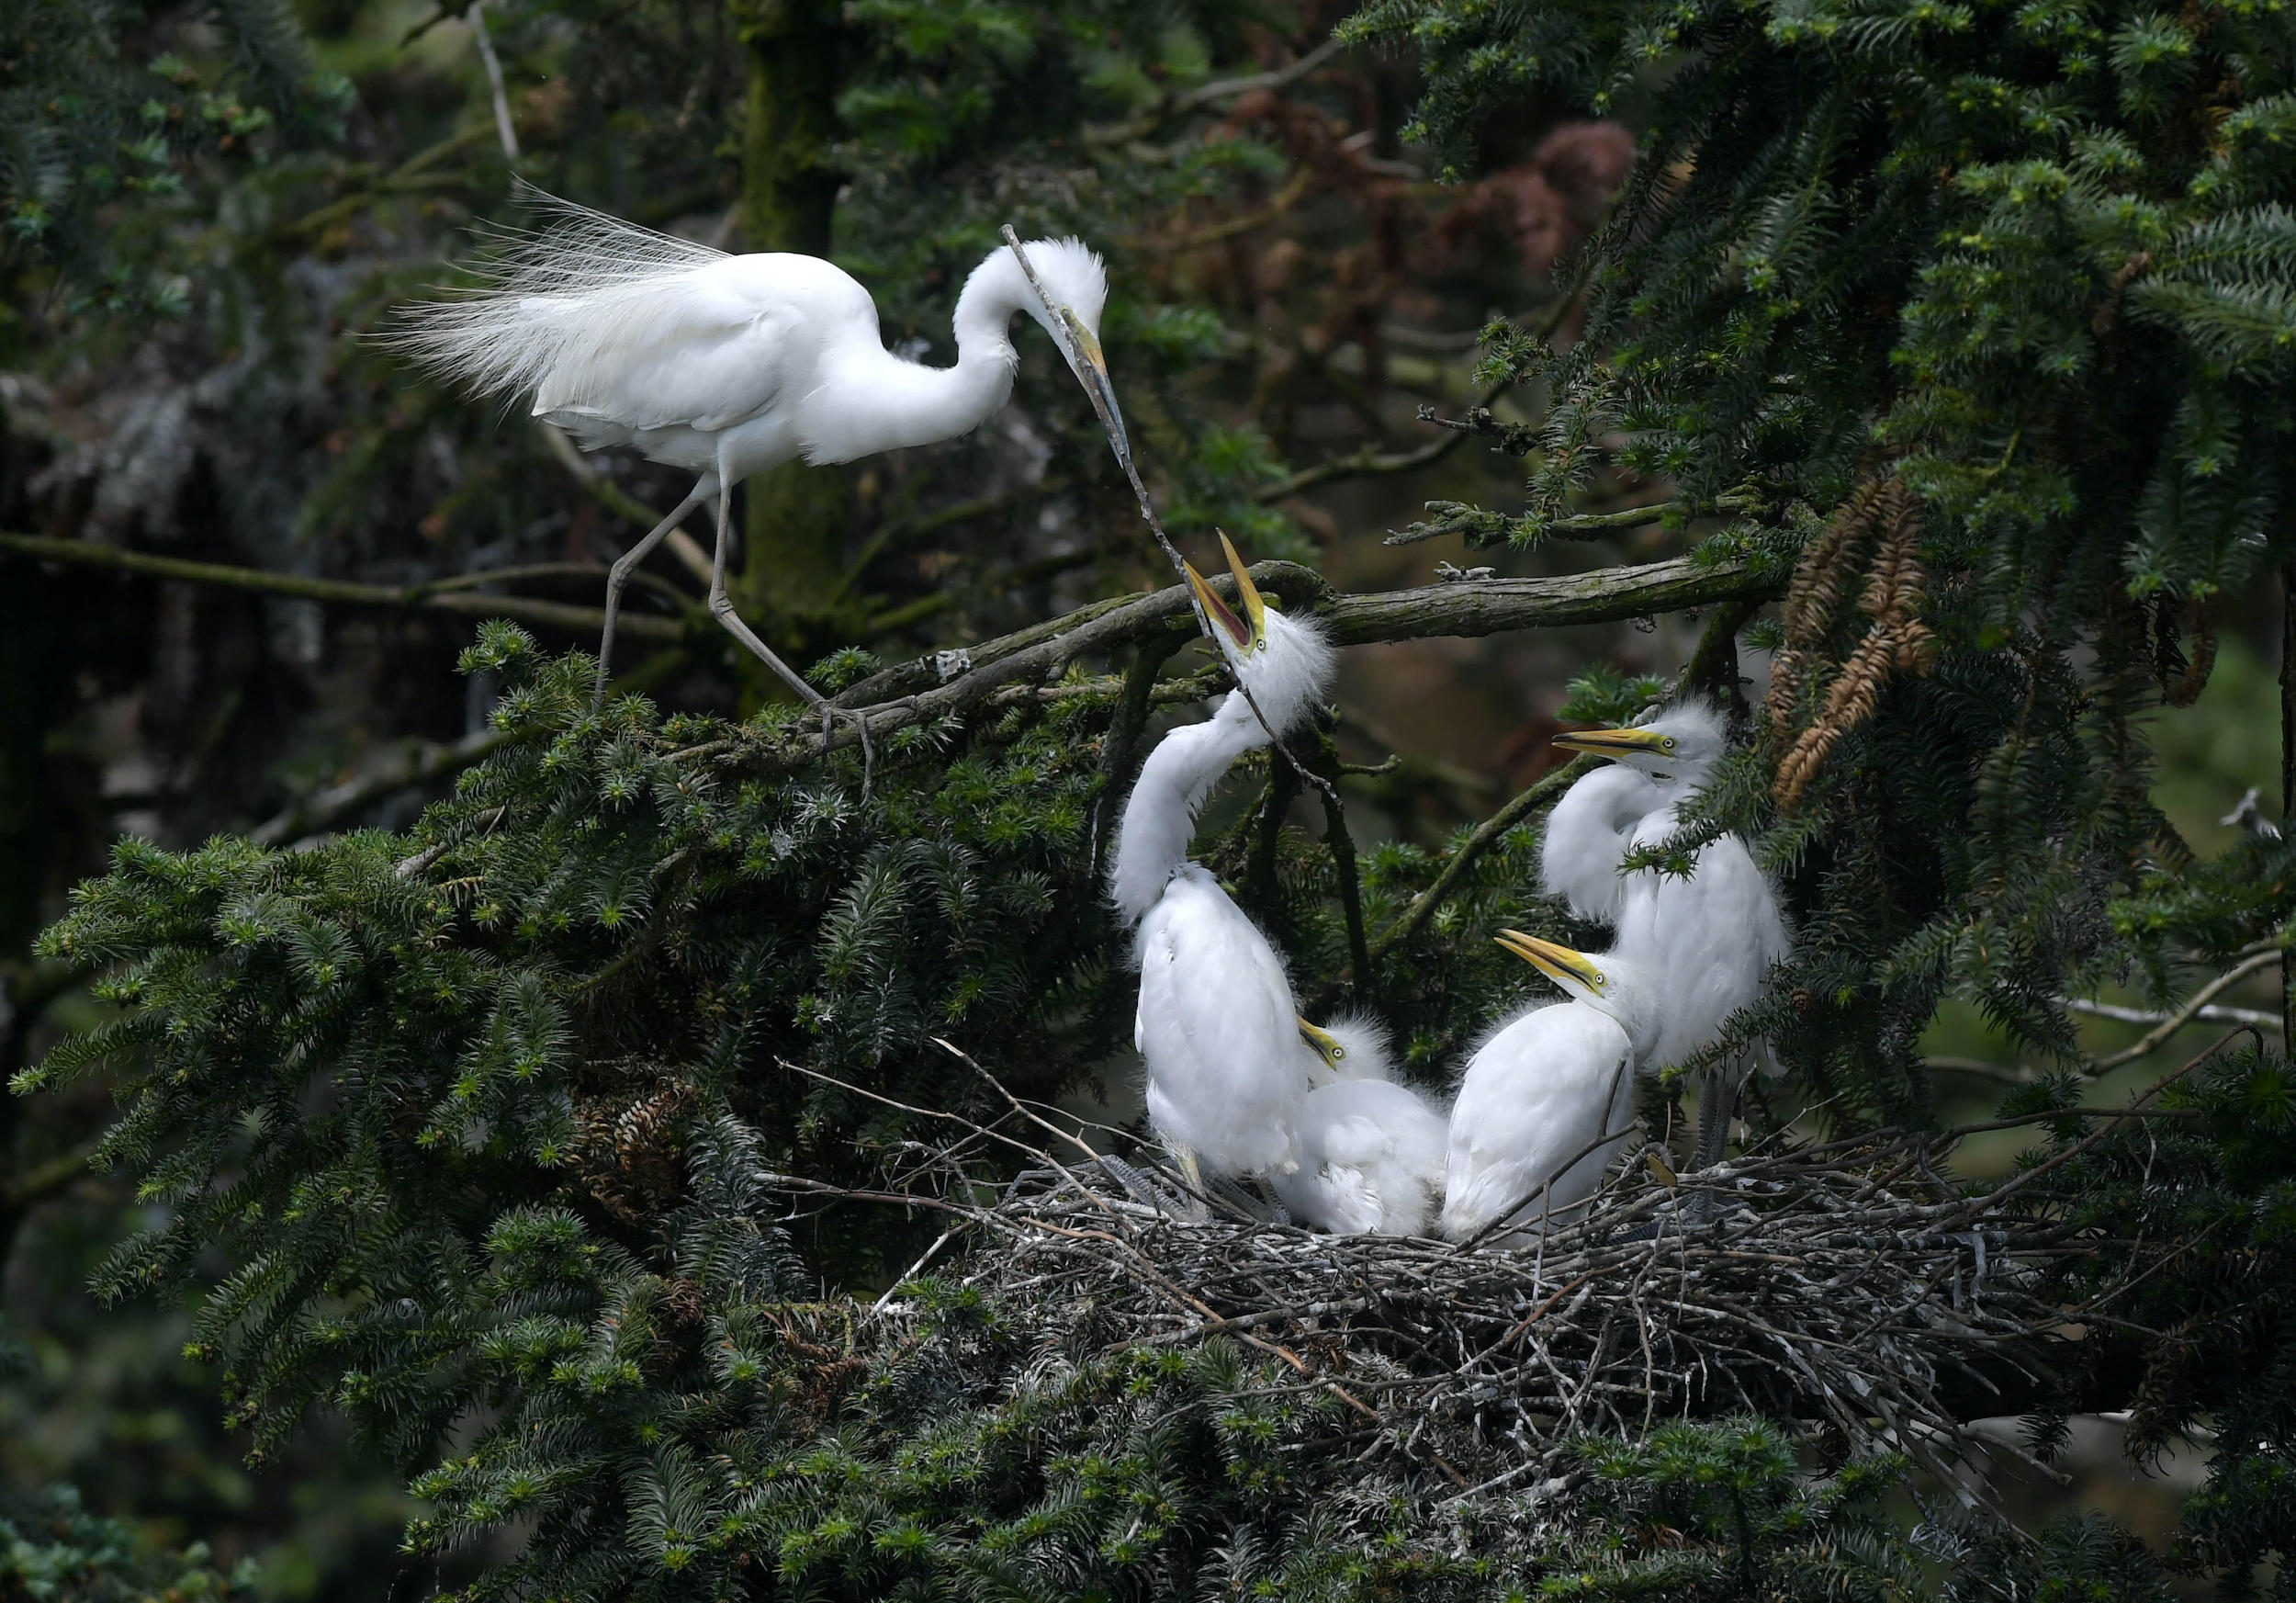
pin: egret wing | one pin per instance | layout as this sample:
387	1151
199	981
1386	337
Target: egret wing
1356	1141
705	349
1217	1029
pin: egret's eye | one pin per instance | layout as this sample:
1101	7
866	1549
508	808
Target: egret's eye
1338	1052
1667	744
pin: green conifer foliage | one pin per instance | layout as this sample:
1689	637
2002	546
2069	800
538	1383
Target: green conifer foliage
484	1121
1987	310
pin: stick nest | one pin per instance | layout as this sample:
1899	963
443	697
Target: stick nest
1843	1286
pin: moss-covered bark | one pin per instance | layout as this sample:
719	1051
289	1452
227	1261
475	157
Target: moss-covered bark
795	515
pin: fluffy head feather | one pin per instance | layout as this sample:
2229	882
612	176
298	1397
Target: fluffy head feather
1287	677
1363	1041
1701	733
1072	275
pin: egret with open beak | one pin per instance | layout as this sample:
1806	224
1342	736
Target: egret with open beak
1243	624
1217	1027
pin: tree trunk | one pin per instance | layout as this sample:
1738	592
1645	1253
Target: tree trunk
795	514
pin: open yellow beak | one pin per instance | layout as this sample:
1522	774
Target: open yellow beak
1613	743
1249	631
1561	964
1325	1044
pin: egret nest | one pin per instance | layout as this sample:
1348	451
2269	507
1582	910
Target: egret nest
1854	1288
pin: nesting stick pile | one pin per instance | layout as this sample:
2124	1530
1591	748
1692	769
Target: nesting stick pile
1837	1286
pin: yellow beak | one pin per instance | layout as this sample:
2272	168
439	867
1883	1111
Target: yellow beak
1255	609
1567	969
1612	743
1249	631
1092	370
1324	1043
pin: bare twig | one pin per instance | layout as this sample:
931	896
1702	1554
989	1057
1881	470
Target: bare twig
48	1178
503	129
620	502
553	614
1170	106
419	763
2211	1015
1492	607
1584	525
1423	906
2177	1017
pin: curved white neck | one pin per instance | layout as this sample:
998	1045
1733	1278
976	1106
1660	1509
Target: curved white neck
1160	815
1287	676
878	401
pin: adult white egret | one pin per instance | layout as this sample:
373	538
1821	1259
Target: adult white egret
1541	1093
1216	1026
1371	1151
728	365
1713	935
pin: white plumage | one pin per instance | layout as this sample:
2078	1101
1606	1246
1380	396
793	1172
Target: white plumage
1654	766
1286	675
1351	1046
1542	1090
1217	1032
1216	1027
1371	1151
728	365
1713	935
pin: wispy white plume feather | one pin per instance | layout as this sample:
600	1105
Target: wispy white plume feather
548	297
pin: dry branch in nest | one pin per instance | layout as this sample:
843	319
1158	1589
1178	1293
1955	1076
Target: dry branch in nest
1854	1288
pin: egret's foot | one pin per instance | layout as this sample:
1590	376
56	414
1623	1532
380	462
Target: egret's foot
1251	1200
1135	1183
860	717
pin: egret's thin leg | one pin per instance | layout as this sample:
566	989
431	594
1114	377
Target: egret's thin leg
1718	1095
1190	1171
619	575
722	608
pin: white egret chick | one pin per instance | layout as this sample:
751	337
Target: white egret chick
1216	1026
1351	1047
1539	1096
728	365
1627	803
1371	1151
1713	935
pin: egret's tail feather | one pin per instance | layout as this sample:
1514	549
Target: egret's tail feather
541	291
